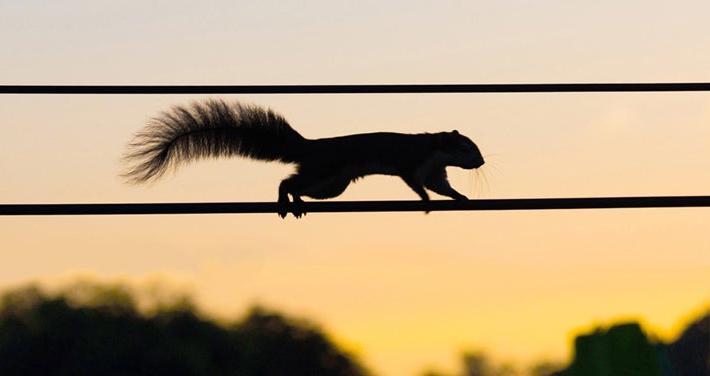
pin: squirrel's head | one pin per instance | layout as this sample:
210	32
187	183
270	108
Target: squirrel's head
460	150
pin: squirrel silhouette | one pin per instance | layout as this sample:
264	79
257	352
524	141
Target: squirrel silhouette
325	166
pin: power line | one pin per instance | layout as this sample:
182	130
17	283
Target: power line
356	89
358	206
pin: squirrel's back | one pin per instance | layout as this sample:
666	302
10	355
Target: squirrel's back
383	148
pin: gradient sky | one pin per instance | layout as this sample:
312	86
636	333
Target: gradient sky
405	291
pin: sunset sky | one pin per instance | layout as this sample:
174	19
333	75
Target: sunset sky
405	291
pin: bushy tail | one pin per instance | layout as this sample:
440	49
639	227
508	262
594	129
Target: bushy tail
210	129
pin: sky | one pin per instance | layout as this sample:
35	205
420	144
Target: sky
405	291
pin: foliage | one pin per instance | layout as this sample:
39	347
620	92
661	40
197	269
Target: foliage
98	330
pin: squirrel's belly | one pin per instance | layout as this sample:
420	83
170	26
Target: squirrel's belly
370	169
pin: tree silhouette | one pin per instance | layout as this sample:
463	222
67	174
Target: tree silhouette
96	330
624	349
689	355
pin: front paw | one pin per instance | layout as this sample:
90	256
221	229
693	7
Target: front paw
426	203
461	197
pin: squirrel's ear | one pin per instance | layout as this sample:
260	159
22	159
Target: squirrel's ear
455	131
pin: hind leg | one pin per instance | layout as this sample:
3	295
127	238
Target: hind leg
291	185
318	187
329	187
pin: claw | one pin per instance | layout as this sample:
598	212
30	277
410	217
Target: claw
298	211
282	210
297	208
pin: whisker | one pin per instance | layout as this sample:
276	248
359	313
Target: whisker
479	184
491	165
470	192
485	179
474	193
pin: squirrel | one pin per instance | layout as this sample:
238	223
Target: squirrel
325	166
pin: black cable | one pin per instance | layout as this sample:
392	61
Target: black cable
355	89
358	206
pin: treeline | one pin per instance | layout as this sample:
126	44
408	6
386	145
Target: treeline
99	330
625	349
91	329
620	350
